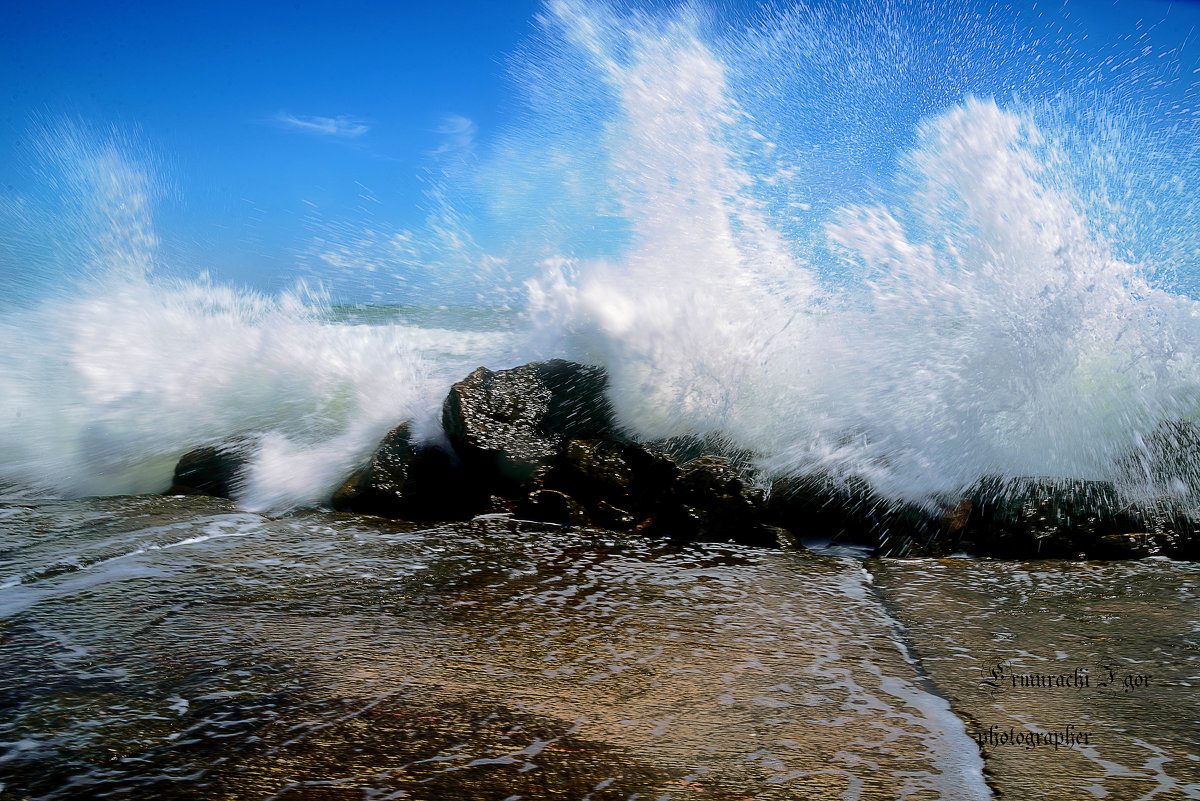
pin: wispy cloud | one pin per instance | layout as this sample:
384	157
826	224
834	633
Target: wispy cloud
342	127
459	133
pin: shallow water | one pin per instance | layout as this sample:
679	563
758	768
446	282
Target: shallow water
1124	636
178	646
911	243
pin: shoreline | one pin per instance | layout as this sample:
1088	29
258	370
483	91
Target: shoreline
540	441
320	653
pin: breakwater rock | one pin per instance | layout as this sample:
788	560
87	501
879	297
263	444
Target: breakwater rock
540	441
407	480
211	470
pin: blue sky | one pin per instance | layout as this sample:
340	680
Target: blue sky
260	114
267	121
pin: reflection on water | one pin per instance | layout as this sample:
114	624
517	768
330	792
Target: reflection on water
1110	650
178	646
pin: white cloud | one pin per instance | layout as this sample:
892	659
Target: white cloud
344	127
459	133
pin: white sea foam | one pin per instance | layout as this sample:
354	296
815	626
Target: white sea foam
973	319
963	285
109	372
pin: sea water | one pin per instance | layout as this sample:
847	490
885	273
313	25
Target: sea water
810	233
182	647
913	245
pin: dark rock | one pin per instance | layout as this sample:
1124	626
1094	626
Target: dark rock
608	516
618	482
655	472
213	470
848	510
593	470
579	406
407	480
552	506
1033	518
954	519
712	481
712	500
1165	462
344	496
687	448
1061	519
1129	546
507	424
1170	531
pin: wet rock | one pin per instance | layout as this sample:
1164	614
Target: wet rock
594	470
506	424
1164	529
954	518
655	472
212	470
407	480
551	506
618	482
1031	518
1165	462
687	448
1056	519
712	481
1129	546
713	500
847	510
609	516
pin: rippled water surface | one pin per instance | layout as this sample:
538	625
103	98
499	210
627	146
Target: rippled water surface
1124	637
184	647
178	647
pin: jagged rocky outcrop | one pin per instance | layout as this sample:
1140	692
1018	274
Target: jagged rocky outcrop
1040	518
552	506
507	425
212	470
1164	462
713	500
1007	519
1061	519
540	441
408	480
848	510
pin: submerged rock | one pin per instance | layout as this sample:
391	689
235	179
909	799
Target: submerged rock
212	470
506	424
407	480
